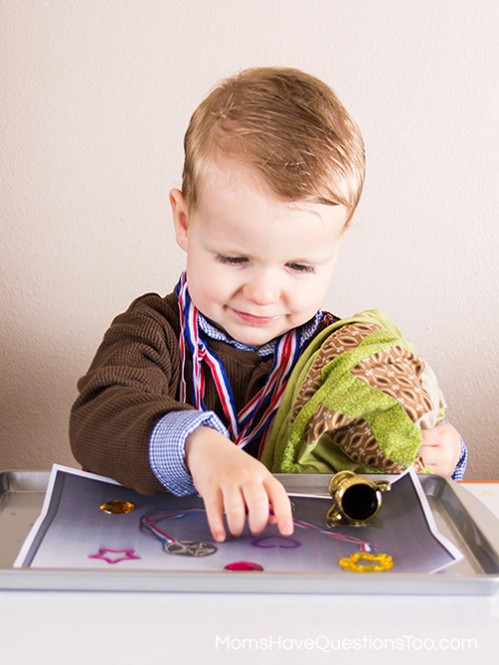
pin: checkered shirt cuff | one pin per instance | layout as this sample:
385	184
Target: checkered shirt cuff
167	443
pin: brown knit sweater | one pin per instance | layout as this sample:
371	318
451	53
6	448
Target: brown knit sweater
133	381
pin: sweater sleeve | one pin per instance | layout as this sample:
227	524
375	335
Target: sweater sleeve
131	383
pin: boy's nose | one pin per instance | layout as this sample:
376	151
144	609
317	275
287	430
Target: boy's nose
261	291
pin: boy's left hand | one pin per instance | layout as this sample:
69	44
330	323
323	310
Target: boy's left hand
441	449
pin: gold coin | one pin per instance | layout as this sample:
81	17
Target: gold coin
116	507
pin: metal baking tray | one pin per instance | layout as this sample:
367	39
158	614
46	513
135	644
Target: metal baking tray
458	514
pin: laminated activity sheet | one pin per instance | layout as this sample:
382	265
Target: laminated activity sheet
90	522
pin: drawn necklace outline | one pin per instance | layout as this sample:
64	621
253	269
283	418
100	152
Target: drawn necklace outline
364	545
190	548
194	548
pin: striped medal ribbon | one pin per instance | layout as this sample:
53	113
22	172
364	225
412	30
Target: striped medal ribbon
244	425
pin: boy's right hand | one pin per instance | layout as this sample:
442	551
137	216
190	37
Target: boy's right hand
233	483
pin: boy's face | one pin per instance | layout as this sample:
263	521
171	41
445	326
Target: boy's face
257	265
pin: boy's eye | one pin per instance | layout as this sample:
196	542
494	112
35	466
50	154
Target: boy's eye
301	267
231	260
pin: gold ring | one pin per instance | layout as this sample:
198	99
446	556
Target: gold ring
378	563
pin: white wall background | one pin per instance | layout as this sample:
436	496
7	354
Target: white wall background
96	96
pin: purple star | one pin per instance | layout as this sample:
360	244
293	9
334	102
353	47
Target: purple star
114	556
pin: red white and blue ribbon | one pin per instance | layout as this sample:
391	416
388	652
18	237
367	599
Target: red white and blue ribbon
253	420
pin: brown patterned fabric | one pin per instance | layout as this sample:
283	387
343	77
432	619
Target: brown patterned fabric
330	419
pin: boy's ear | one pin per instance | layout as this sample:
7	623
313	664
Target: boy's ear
180	214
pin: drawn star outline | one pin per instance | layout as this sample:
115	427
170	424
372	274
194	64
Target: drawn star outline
110	555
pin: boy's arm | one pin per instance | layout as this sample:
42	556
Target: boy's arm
122	410
167	447
131	384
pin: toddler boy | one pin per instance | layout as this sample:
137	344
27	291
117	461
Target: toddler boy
184	388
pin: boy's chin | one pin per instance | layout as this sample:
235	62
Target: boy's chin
248	335
252	335
255	336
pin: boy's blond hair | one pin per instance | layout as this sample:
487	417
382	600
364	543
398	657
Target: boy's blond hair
287	124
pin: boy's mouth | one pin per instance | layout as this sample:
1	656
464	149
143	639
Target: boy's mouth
253	320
